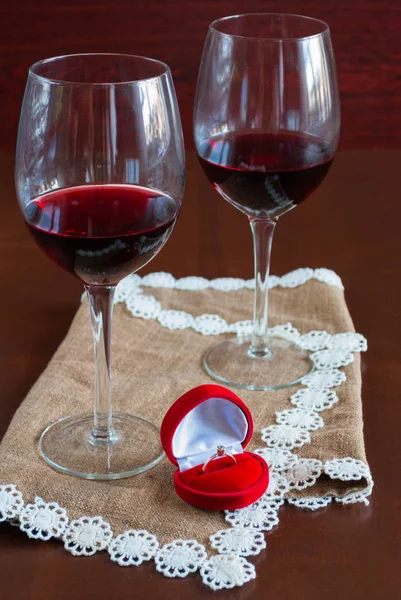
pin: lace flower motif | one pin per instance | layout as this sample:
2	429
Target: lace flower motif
43	520
307	420
87	535
332	358
192	283
314	340
11	502
176	319
159	280
310	399
261	515
145	307
210	325
311	503
304	474
277	459
133	547
180	558
226	571
241	541
285	437
347	469
324	379
227	284
242	328
278	487
349	341
130	286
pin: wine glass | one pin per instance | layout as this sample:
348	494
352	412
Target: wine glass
266	127
100	179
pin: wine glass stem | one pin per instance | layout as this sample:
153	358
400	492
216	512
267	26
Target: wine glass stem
262	231
101	310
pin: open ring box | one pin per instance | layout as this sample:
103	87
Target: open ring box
198	422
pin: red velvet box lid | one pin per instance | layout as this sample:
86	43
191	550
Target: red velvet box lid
202	419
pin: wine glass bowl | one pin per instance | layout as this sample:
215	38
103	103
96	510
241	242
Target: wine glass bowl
266	128
100	174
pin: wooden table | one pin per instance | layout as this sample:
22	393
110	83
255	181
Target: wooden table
351	225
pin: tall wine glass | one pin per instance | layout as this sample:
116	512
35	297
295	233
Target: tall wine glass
100	180
266	126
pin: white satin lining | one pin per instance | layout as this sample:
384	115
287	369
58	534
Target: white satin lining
215	422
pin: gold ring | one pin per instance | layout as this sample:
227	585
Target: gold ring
219	454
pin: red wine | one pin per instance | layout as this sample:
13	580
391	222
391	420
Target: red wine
101	233
265	175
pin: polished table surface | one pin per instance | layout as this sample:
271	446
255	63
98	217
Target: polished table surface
350	225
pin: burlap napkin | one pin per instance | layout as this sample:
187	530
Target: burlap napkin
152	366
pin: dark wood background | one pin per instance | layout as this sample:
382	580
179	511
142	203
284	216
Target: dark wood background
366	37
350	225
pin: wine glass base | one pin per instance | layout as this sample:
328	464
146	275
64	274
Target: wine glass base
231	363
66	446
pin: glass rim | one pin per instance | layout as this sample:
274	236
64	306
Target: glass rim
325	30
31	71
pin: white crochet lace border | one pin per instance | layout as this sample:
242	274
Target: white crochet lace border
245	535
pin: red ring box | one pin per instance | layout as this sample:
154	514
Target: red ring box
203	418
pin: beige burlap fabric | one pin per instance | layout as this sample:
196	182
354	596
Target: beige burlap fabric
152	366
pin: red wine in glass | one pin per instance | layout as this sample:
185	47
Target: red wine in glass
265	174
266	128
101	233
99	137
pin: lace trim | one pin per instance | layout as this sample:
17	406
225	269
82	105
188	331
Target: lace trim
293	428
231	284
130	292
